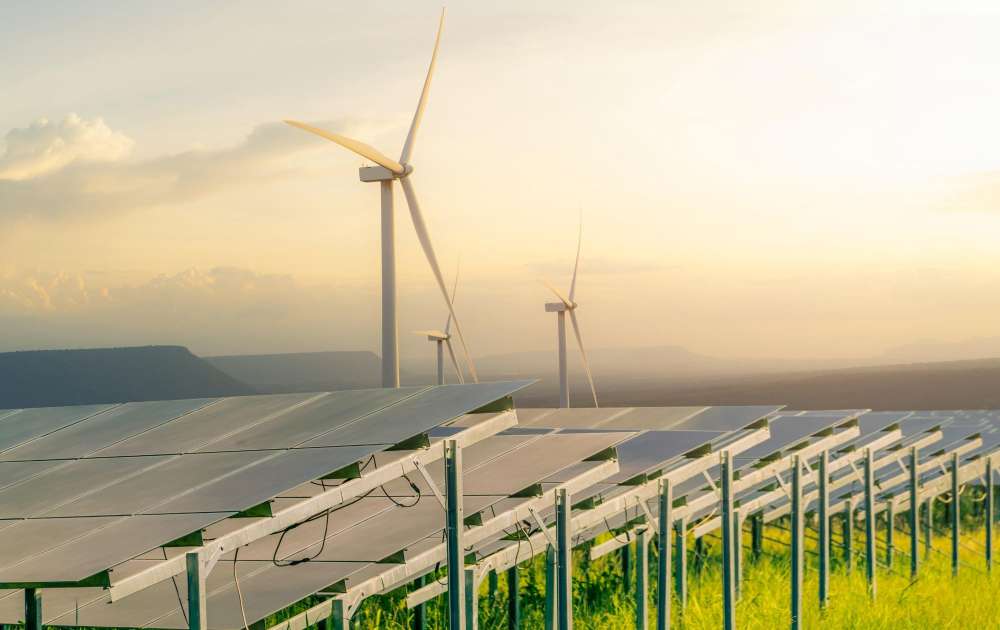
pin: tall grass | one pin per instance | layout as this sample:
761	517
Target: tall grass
935	599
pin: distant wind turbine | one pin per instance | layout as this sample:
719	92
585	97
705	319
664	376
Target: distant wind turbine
442	339
387	171
563	306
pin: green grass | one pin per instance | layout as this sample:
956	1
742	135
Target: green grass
935	600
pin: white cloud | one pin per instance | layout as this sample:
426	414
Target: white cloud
44	146
219	310
79	168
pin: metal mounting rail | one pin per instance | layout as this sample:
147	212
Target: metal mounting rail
745	482
419	564
855	499
308	507
585	520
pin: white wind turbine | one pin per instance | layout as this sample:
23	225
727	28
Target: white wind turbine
563	306
387	171
443	339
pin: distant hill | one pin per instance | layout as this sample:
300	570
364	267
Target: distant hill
973	384
303	371
43	378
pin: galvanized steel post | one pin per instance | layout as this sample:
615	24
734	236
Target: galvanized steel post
663	575
471	599
849	535
564	560
914	514
339	616
32	609
737	553
626	558
824	529
642	579
728	590
551	591
196	593
955	513
890	518
928	527
988	499
757	535
455	523
870	559
798	556
513	599
420	610
680	574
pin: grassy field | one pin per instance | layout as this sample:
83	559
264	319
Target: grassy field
935	600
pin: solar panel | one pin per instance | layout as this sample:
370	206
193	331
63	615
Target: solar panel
22	426
357	536
166	479
99	430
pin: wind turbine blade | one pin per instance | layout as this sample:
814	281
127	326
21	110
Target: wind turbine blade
362	149
583	353
454	291
411	137
454	361
425	242
558	293
576	265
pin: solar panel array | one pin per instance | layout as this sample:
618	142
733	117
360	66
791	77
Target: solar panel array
98	495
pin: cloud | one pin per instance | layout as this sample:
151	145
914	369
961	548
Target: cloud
80	168
45	146
220	310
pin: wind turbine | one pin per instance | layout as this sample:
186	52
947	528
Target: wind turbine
388	171
563	306
442	339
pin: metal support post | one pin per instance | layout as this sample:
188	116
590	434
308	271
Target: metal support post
513	599
870	559
757	535
471	599
419	611
737	554
824	529
32	609
550	588
890	519
914	514
339	615
455	523
642	579
564	560
988	511
196	592
928	527
848	536
728	529
626	557
955	513
680	575
798	556
663	538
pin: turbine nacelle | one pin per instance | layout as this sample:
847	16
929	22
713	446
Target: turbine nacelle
558	307
382	174
435	335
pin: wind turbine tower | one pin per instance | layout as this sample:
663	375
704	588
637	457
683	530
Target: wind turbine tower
385	173
561	308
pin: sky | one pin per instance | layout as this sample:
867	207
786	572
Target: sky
755	179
